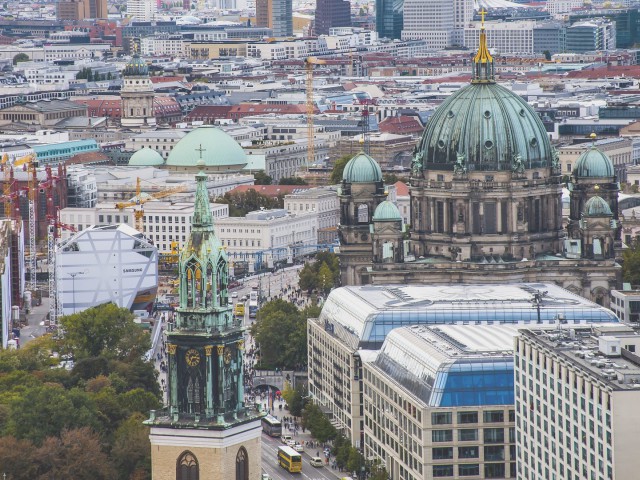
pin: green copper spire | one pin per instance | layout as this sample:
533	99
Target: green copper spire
202	218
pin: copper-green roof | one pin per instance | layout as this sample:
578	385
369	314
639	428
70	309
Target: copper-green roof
386	211
362	169
217	149
597	207
136	67
593	164
489	127
146	157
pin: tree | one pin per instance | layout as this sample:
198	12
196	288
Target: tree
295	398
131	451
338	169
307	278
322	274
105	330
240	203
631	264
261	178
325	278
292	181
20	57
547	54
17	458
355	461
317	423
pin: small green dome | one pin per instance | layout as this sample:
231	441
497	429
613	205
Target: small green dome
362	169
387	212
489	127
217	149
146	157
593	164
136	67
597	207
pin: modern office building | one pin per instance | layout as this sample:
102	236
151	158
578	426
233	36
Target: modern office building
112	263
513	38
356	320
389	18
276	15
438	22
577	391
81	9
331	14
142	10
590	36
438	402
626	305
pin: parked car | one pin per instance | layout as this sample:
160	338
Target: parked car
316	462
234	295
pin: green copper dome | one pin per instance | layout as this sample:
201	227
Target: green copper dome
597	207
136	67
484	126
217	149
362	169
146	157
593	164
386	212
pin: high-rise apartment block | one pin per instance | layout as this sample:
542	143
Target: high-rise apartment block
331	14
276	15
389	18
436	21
81	9
577	391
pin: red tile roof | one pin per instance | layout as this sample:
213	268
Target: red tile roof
208	113
402	190
401	124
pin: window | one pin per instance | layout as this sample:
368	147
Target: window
187	467
468	452
442	435
467	417
468	435
493	453
493	416
468	470
493	435
242	465
441	418
442	453
494	470
363	213
443	470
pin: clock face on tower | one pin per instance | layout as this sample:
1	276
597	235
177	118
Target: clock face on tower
192	357
227	355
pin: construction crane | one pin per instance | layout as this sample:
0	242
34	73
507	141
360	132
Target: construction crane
138	201
31	164
309	63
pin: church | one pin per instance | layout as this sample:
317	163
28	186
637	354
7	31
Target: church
206	432
485	199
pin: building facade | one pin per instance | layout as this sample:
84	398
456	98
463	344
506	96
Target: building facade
276	15
137	96
331	14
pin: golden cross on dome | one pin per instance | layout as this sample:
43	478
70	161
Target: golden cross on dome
201	150
482	13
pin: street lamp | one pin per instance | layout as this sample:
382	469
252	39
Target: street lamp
537	301
73	287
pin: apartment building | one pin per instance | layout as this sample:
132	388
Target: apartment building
577	391
324	203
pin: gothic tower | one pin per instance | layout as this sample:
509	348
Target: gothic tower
137	95
206	432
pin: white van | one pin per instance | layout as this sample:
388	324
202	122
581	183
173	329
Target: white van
286	439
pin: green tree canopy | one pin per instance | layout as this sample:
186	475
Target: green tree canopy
317	423
261	178
20	57
322	274
631	264
292	181
338	169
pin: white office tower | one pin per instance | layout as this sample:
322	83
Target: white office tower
106	264
555	7
142	10
436	22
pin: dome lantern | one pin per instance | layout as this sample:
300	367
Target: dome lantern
483	68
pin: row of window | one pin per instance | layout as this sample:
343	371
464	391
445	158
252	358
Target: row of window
488	416
490	435
491	470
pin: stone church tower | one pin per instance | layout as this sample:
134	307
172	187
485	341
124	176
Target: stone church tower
206	432
137	95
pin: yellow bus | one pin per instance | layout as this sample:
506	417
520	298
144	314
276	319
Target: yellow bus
289	459
238	309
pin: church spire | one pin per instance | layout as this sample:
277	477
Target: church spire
202	218
483	71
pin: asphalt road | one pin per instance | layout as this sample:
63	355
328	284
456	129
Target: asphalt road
270	466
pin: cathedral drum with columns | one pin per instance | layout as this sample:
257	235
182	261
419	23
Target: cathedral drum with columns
206	432
485	200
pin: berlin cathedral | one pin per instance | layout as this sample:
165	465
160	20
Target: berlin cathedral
486	203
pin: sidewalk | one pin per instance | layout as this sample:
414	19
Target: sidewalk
35	322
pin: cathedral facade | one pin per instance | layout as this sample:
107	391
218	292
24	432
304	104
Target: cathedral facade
485	199
206	432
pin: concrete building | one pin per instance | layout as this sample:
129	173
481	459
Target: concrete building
438	22
163	44
112	263
82	189
40	115
68	51
503	37
576	397
12	278
142	10
138	107
592	35
357	320
331	14
619	150
265	237
626	305
324	203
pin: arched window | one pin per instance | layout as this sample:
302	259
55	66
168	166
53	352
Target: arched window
242	464
363	213
187	467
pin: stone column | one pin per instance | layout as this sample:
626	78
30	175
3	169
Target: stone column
220	349
209	408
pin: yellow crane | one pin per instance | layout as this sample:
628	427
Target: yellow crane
139	201
309	63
